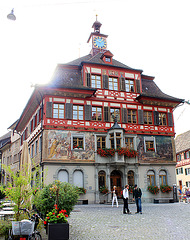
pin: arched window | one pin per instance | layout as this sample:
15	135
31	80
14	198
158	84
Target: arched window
163	177
63	176
151	178
78	178
102	179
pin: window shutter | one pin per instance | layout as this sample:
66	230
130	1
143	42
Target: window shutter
88	112
124	115
105	81
156	118
138	88
49	109
185	171
122	84
33	127
177	171
88	80
182	170
170	120
38	117
30	126
69	111
106	114
140	116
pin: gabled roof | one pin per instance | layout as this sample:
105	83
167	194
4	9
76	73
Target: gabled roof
151	90
182	142
97	59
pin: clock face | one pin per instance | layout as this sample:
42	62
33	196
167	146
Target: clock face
99	42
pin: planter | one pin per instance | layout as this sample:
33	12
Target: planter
58	231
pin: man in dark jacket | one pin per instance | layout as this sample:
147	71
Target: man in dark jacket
137	196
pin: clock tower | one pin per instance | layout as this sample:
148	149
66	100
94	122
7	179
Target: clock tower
99	41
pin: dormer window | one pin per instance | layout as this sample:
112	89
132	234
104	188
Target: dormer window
108	59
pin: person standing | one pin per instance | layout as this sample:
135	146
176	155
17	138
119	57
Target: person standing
114	199
187	193
125	199
137	196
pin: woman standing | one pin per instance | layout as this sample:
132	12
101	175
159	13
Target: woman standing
114	192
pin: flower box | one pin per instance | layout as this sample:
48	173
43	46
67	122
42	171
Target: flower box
58	231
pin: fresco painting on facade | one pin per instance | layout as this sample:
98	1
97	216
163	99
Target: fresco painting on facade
161	148
60	146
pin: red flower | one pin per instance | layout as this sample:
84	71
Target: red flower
45	222
53	213
47	217
57	216
66	215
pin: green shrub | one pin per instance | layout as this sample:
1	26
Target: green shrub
46	198
2	194
4	227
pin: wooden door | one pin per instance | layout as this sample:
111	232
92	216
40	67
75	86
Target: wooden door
115	179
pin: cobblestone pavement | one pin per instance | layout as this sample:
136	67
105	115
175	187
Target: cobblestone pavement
158	221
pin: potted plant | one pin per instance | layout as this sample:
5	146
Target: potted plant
153	189
165	188
56	224
103	190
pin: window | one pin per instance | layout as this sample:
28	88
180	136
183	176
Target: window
179	171
107	59
78	142
188	184
129	85
101	142
63	176
132	116
36	147
162	119
112	140
147	117
129	143
96	113
187	171
78	112
40	144
96	81
58	110
113	83
187	154
32	151
102	179
184	155
115	112
78	178
149	146
163	177
151	178
118	140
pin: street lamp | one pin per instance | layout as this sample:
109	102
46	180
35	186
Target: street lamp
11	15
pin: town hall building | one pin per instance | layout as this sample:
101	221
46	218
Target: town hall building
100	123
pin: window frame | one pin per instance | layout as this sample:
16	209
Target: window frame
162	176
97	112
129	85
148	141
130	115
114	113
101	142
111	83
78	112
147	115
128	144
149	178
95	80
58	110
162	119
81	136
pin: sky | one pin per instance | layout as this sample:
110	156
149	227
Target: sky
145	34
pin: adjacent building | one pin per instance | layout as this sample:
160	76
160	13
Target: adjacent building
182	143
101	123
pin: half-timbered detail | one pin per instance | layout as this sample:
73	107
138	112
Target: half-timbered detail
101	122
